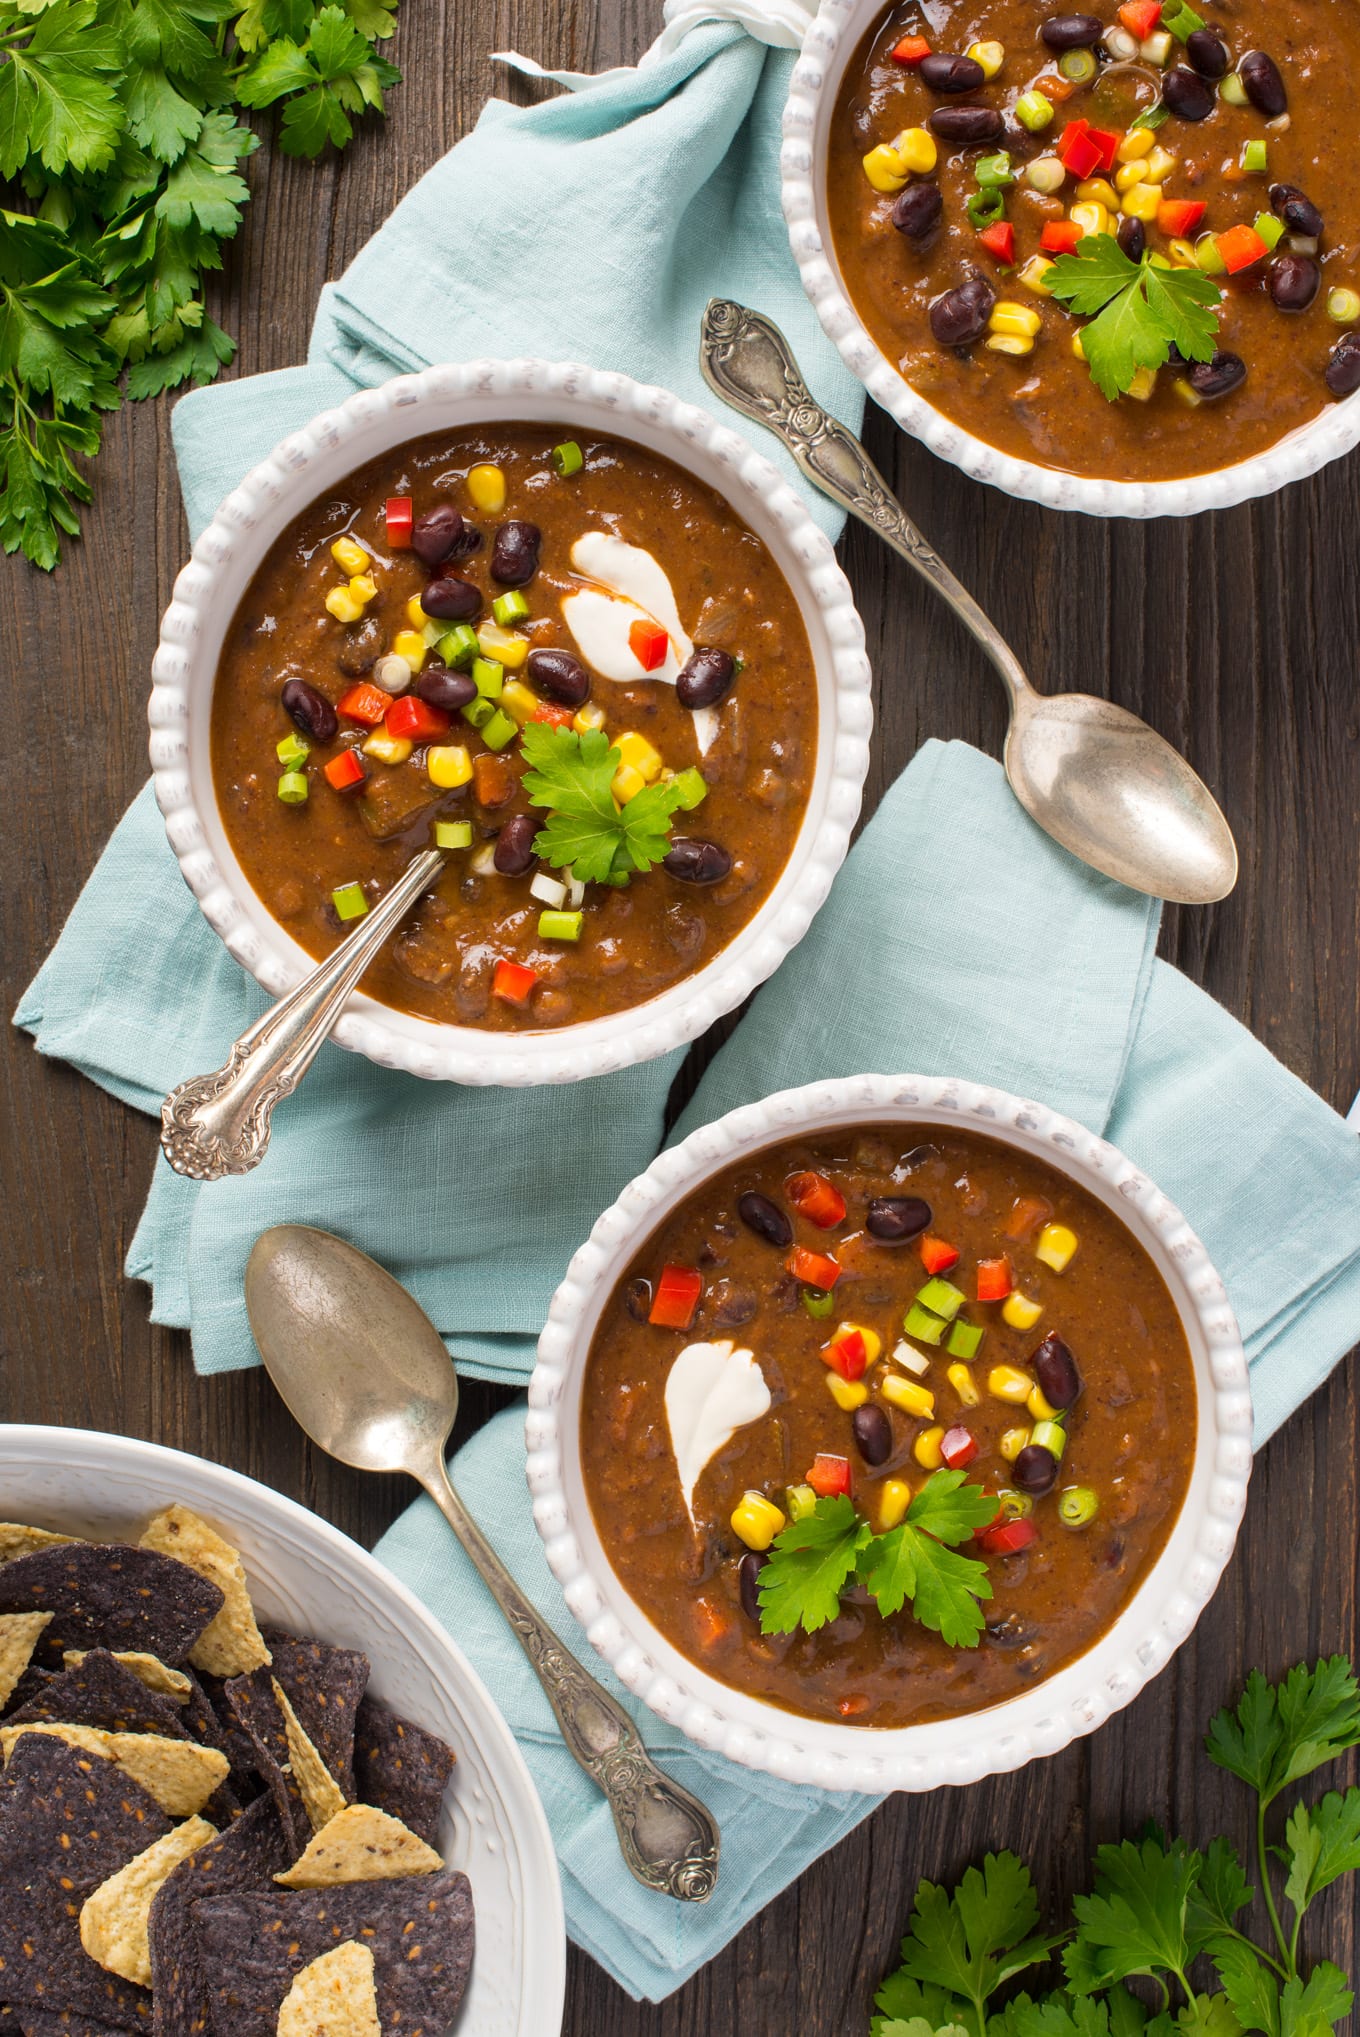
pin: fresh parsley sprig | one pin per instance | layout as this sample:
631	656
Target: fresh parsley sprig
1137	311
586	830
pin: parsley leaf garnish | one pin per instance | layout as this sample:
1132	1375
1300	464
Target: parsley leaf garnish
961	1948
1137	312
586	830
811	1562
1280	1733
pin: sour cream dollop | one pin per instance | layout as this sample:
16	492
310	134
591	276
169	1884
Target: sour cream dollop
629	585
712	1390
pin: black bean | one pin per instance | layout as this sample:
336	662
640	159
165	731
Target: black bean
941	73
966	124
1264	85
1220	376
1342	373
1035	1469
748	1583
919	1156
443	533
705	677
894	1219
1187	95
1072	31
1056	1371
1012	1632
916	211
637	1299
311	710
515	845
451	599
561	676
1293	282
765	1218
731	1302
873	1433
437	686
696	861
1131	237
514	556
960	316
1207	53
1299	214
360	648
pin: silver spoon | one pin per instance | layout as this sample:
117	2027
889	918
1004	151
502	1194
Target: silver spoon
361	1368
1094	776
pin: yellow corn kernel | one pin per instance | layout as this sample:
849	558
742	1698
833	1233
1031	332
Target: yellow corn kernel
964	1385
627	783
1100	191
1140	388
991	56
915	149
907	1395
1010	317
409	644
885	169
1158	167
1038	1406
1054	1246
1127	175
519	703
1141	202
1091	217
1035	274
503	646
1013	343
349	556
363	587
873	1343
926	1449
417	617
637	751
449	766
847	1393
1008	1382
1012	1443
1186	393
588	717
894	1497
387	749
1136	144
342	605
1182	254
486	486
1020	1312
756	1520
1078	350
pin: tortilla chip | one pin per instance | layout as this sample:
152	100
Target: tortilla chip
107	1595
335	1996
99	1691
419	1930
401	1768
231	1643
114	1919
246	1857
179	1775
360	1844
55	2023
258	1723
324	1686
16	1539
19	1634
322	1798
171	1683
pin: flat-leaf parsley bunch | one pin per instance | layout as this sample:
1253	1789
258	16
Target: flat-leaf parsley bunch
120	145
1162	1914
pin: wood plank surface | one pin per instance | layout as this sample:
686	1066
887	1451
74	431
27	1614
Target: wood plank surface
1235	635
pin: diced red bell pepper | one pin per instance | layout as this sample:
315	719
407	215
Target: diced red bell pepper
1027	1213
648	643
1008	1539
365	703
829	1476
994	1279
1140	17
711	1623
999	241
416	719
1240	246
958	1447
1179	216
399	519
816	1198
937	1256
814	1269
1076	150
1060	236
911	49
1107	141
346	771
513	982
555	717
676	1298
847	1354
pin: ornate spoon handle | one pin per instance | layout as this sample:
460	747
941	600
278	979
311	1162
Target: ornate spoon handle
219	1124
746	359
669	1840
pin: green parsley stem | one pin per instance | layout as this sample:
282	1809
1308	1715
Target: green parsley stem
1263	1856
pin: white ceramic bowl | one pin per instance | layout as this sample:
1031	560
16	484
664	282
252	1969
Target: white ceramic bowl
312	460
311	1579
828	48
1075	1700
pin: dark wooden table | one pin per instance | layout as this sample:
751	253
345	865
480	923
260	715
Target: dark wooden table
1235	635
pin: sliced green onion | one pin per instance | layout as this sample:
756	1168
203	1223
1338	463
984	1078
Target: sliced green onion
1046	174
690	788
293	788
994	172
509	608
1271	229
499	731
432	633
291	751
964	1339
478	712
459	646
488	677
984	208
818	1304
1050	1436
1033	111
1343	306
1078	66
1014	1506
1207	258
1256	158
1078	1506
568	458
1151	118
1157	49
799	1500
349	901
1183	23
919	1323
560	926
1232	91
453	834
942	1298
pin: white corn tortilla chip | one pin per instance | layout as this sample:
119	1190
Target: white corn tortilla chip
335	1996
322	1796
114	1920
19	1636
17	1539
148	1670
360	1843
179	1774
231	1643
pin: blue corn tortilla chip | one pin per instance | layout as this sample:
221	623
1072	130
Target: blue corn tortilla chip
259	1723
246	1857
419	1930
401	1768
324	1685
50	2023
25	1690
107	1595
100	1692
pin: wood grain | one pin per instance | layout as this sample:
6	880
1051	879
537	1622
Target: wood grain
1235	635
